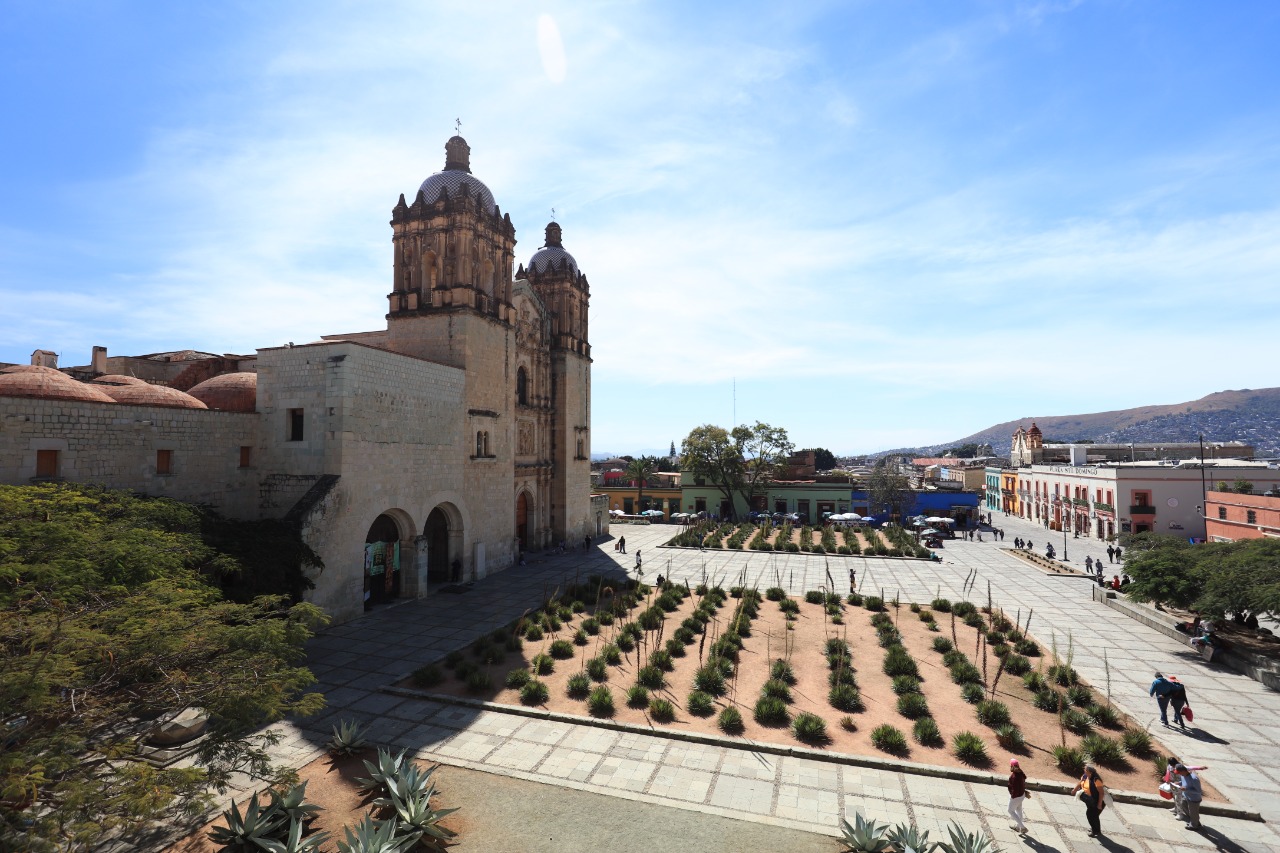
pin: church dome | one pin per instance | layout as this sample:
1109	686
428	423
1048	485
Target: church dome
230	392
45	383
456	175
133	391
552	255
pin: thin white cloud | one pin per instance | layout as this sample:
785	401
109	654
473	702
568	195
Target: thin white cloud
551	49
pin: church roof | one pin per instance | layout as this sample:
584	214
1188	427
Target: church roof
552	255
133	391
456	175
46	383
230	392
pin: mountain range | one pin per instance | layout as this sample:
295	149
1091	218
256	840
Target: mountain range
1248	415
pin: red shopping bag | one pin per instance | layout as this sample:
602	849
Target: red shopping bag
1188	714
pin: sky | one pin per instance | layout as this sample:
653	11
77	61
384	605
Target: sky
876	224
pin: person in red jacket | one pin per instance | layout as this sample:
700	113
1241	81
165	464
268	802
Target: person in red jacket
1017	795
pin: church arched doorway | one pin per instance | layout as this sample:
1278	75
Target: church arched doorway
443	533
522	520
382	578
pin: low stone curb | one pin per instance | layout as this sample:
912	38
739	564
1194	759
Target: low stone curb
1050	568
958	774
790	553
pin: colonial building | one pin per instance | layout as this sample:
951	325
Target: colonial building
433	450
1028	447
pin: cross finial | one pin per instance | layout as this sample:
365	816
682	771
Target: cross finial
553	214
457	126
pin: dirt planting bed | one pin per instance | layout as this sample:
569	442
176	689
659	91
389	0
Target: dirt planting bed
485	672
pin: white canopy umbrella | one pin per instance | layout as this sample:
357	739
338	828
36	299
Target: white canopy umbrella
937	519
616	512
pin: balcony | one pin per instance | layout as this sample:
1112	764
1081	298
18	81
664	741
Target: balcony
1084	502
1101	507
1142	509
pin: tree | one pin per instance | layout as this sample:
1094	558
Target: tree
1162	568
1216	578
1222	486
764	450
823	459
111	622
671	454
639	470
888	488
709	453
1243	487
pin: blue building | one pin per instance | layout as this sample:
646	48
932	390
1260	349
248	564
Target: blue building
961	506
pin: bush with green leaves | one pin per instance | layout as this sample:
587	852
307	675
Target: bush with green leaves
611	654
874	603
898	661
561	650
1010	737
662	710
1027	648
888	739
600	702
969	748
651	677
1017	665
542	665
710	679
973	693
730	721
961	609
952	657
845	697
865	836
1102	750
992	713
1137	742
941	605
913	706
809	728
781	670
842	675
625	643
479	681
1068	759
518	678
578	686
637	696
906	684
814	596
535	692
464	670
1080	696
1076	722
966	673
701	704
1063	675
1048	700
580	637
854	599
771	711
1104	715
533	633
428	676
926	732
662	660
1034	682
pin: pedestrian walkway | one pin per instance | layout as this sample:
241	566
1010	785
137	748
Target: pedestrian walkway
1237	733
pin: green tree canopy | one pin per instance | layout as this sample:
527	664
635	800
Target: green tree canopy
112	620
823	459
1215	578
742	461
888	488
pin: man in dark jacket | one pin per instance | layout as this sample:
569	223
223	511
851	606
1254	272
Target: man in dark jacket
1162	689
1178	697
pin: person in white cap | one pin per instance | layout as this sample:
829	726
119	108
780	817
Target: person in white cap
1017	794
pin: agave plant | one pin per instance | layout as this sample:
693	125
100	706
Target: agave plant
294	842
381	774
864	836
348	738
967	842
409	782
245	831
293	804
420	821
375	836
907	837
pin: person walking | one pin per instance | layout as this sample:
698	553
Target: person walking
1088	564
1178	698
1174	781
1162	689
1111	554
622	544
1119	555
637	562
1094	799
1192	794
1017	795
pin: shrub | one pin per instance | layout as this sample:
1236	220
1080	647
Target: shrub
888	739
942	645
561	650
701	704
514	643
579	686
428	676
789	606
542	665
782	671
662	710
1068	759
662	660
809	728
580	638
777	689
600	702
854	599
1136	742
771	711
926	732
941	605
845	697
842	675
775	593
683	635
953	657
1017	665
638	696
913	706
611	654
814	596
674	648
625	642
1080	696
1104	715
1010	737
463	670
874	603
974	620
995	638
1027	647
533	633
1034	682
709	679
1102	750
730	721
478	681
577	607
960	609
898	661
1076	722
904	684
518	678
604	617
1063	675
966	673
973	693
534	692
926	616
1047	700
453	659
565	614
970	749
724	665
993	713
848	724
597	669
651	677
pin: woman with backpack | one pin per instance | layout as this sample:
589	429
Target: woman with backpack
1093	794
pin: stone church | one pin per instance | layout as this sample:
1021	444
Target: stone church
432	451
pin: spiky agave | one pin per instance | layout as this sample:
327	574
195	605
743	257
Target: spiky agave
864	836
244	831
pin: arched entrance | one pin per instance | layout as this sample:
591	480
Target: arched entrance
443	533
382	579
522	520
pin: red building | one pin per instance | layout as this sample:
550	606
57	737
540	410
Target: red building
1230	516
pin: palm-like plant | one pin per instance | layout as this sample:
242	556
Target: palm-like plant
348	738
639	470
375	836
418	819
293	842
388	768
409	782
864	836
967	842
293	804
907	837
245	831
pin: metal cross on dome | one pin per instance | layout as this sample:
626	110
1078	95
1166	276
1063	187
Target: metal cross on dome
457	126
553	214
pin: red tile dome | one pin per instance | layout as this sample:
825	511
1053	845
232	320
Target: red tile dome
230	392
135	392
45	383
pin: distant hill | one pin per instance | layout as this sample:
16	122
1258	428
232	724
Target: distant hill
1251	416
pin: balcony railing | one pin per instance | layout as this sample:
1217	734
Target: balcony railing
1084	502
1142	509
1101	507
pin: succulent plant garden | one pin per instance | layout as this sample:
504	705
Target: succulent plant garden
827	539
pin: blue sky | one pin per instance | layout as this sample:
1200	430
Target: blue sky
889	223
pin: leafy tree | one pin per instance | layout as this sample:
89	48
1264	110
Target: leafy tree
1222	486
111	622
823	459
1216	578
639	470
1163	569
888	488
764	449
1243	487
742	462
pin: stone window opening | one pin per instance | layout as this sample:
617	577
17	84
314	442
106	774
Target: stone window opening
1251	517
1222	512
164	462
246	453
482	444
296	424
522	387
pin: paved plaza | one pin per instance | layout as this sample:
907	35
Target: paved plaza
1237	727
